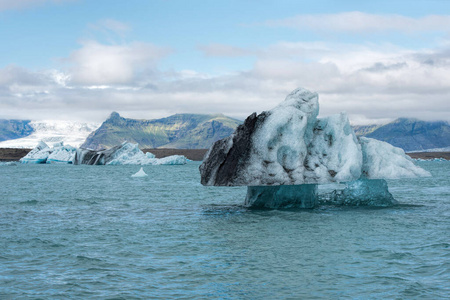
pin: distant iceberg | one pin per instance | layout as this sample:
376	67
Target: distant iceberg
124	154
61	154
38	155
42	153
140	173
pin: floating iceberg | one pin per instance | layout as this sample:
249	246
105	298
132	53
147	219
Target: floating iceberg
38	155
130	154
172	160
365	192
42	154
282	154
62	154
140	173
125	154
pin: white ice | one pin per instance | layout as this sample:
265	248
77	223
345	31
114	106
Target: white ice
173	160
130	154
126	154
62	154
140	173
382	160
42	153
38	155
291	146
334	152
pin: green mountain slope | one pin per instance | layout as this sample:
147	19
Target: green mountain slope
14	129
413	134
183	131
363	130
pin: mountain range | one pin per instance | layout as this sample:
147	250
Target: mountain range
187	131
409	134
14	129
195	131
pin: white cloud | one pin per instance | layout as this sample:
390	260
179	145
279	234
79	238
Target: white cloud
370	83
22	4
359	22
99	64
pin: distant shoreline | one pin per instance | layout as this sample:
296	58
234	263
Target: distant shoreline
14	154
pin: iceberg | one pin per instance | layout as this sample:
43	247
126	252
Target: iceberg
384	161
172	160
282	154
124	154
282	196
42	154
365	192
130	154
61	154
38	155
140	173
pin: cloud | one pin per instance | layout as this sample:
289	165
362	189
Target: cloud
99	64
371	83
360	22
23	4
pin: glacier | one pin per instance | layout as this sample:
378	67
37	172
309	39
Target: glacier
124	154
283	154
53	131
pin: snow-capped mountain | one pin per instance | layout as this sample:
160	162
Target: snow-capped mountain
51	131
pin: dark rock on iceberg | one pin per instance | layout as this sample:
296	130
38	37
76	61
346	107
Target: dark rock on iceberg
91	157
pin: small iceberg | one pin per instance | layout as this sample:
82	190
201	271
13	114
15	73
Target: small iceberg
140	173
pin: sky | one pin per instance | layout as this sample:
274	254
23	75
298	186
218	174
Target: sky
80	60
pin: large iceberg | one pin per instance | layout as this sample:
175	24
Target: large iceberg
282	154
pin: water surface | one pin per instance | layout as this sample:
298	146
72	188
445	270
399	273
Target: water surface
77	232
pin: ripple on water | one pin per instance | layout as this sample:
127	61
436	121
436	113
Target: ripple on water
99	234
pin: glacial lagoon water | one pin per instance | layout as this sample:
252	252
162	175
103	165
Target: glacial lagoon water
80	232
